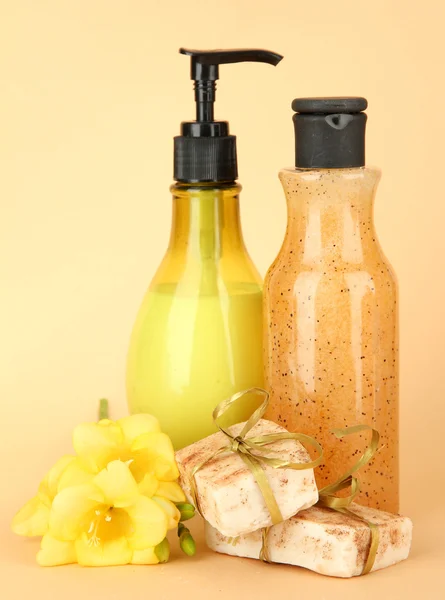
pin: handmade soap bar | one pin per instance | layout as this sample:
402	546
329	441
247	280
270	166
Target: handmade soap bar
228	494
325	541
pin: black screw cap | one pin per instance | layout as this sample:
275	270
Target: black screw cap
329	132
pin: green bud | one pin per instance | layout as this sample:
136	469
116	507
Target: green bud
187	510
187	543
162	551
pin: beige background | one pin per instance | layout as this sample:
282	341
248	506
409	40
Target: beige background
92	92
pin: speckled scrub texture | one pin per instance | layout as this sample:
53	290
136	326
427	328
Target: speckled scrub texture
331	327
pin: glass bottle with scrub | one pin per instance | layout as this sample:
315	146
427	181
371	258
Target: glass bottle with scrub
331	311
198	334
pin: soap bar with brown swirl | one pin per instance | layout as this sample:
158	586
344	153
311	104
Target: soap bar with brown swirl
325	541
228	494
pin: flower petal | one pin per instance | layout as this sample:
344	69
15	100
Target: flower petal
72	509
149	522
98	443
109	553
48	486
117	484
54	552
135	425
145	557
54	474
76	473
43	494
170	490
170	510
140	466
31	519
156	449
149	485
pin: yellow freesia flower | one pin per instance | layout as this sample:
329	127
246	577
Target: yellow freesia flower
136	440
110	504
107	521
32	518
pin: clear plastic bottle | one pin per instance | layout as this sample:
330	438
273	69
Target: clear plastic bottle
331	330
198	334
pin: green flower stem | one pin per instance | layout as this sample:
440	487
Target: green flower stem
103	409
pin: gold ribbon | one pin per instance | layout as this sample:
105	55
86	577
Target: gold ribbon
251	450
328	496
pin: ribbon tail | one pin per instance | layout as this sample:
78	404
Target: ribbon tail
372	553
363	460
367	454
374	543
329	500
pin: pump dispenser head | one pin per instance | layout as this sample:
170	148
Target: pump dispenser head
205	152
329	132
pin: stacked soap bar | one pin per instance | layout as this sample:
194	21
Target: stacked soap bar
316	538
325	541
228	495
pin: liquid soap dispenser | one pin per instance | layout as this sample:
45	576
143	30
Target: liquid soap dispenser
198	334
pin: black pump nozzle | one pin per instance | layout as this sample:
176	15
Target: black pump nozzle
205	151
205	72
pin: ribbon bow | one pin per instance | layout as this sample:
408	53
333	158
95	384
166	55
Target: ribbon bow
328	498
251	450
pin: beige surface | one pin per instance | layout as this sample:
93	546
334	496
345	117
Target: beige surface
211	575
86	120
